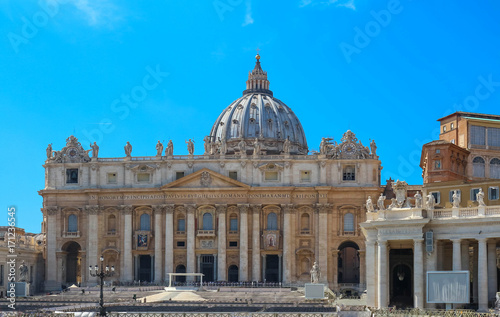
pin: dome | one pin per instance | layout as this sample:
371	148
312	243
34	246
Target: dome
257	118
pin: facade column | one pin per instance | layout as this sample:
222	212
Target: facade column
169	239
221	245
287	242
482	275
322	255
371	289
190	252
457	257
418	274
127	244
92	242
492	270
475	275
362	267
335	270
431	265
158	210
382	274
465	255
264	267
256	275
51	230
243	267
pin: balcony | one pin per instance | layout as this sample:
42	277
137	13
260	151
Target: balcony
445	213
73	234
205	233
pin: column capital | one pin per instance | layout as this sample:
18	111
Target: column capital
51	210
322	208
370	243
382	242
256	208
169	208
419	240
92	209
221	208
158	209
243	208
127	210
456	240
288	208
482	240
190	208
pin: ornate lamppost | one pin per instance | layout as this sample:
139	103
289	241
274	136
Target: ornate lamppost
102	274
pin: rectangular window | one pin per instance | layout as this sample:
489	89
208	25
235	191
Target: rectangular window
233	175
179	175
72	176
271	176
349	173
305	176
459	192
111	178
143	177
438	151
473	193
493	193
477	135
437	197
181	244
437	164
494	137
233	244
233	225
181	225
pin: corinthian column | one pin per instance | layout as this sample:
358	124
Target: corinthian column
221	245
256	242
322	210
169	239
191	259
158	210
287	242
127	244
92	242
243	276
51	282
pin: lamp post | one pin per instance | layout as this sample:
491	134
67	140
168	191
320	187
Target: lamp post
104	272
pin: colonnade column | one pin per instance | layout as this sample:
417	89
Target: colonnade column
169	239
256	243
158	210
382	273
221	245
287	242
370	274
127	244
190	255
492	270
50	230
482	275
457	257
418	274
92	247
243	267
323	240
335	270
362	267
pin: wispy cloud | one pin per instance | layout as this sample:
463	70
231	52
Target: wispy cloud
95	13
338	3
248	14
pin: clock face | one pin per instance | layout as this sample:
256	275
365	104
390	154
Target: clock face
72	152
349	149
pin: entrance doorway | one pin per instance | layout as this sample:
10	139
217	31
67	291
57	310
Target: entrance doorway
401	278
232	273
145	268
180	269
348	263
272	268
72	263
207	267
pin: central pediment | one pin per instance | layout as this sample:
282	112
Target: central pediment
205	178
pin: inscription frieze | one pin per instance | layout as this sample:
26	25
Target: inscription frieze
205	195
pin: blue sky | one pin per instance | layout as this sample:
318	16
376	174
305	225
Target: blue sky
384	69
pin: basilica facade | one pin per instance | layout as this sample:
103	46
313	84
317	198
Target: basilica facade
255	206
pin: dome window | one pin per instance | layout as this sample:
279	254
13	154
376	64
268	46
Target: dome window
268	105
280	108
229	108
252	120
235	121
240	106
222	123
254	106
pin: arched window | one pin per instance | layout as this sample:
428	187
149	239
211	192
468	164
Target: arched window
233	222
272	221
304	221
181	224
72	223
207	221
495	168
349	222
145	223
112	223
478	166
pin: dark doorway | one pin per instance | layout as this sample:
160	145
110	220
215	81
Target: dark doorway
145	268
401	278
348	263
207	267
72	263
232	273
180	269
272	268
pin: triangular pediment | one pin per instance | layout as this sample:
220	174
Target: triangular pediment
205	178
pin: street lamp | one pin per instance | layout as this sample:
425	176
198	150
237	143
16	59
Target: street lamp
102	274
